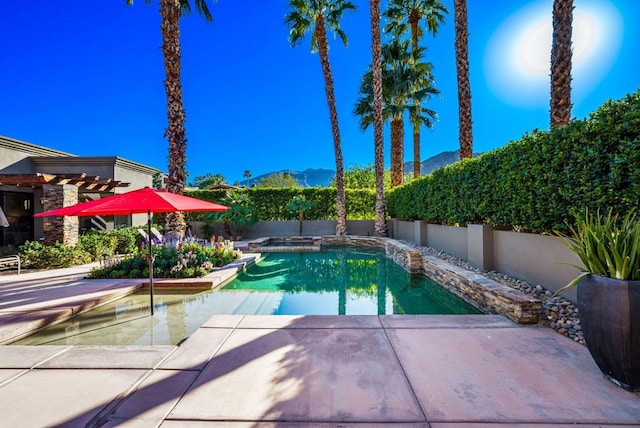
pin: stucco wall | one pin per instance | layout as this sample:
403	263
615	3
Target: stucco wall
14	153
536	259
403	230
264	229
12	163
452	240
138	175
310	228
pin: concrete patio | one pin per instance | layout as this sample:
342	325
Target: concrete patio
300	371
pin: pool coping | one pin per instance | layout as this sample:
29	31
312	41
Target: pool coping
257	245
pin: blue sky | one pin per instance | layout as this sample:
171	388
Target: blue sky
87	78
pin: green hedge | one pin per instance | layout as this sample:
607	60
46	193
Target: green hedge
272	204
540	181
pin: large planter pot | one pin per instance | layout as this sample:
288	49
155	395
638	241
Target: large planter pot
610	318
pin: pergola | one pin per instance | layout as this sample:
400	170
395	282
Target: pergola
85	183
58	191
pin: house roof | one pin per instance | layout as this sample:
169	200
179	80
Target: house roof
29	148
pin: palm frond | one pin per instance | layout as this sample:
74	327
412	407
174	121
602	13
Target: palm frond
203	9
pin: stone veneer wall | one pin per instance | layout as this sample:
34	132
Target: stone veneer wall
60	229
483	293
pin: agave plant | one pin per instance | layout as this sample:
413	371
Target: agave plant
605	245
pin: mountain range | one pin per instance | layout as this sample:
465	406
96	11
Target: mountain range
312	177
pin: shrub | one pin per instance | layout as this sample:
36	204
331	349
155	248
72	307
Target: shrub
186	261
272	204
91	247
39	256
239	215
97	243
540	181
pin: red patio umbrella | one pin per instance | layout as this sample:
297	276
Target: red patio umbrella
140	201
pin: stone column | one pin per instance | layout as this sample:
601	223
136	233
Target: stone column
480	245
60	229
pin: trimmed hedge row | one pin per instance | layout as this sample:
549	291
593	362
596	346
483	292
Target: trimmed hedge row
272	204
540	181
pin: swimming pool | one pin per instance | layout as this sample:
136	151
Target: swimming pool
334	281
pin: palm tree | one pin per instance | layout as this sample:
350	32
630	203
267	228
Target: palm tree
414	11
171	11
247	175
561	63
407	85
314	16
380	225
464	89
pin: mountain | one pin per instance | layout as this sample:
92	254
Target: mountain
434	162
311	177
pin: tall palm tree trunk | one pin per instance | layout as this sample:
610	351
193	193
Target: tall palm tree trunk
380	226
397	149
323	50
413	21
175	133
464	88
561	63
417	163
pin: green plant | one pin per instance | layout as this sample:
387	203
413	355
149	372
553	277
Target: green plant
272	204
277	180
300	205
606	245
239	215
126	239
92	246
186	261
537	182
363	177
97	243
39	256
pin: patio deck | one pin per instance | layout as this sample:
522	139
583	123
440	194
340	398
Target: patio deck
300	371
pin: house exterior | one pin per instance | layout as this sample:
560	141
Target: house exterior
34	179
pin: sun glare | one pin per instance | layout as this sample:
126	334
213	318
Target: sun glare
517	59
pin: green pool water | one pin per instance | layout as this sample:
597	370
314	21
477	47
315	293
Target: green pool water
343	281
339	281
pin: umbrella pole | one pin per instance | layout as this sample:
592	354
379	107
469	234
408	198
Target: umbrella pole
150	260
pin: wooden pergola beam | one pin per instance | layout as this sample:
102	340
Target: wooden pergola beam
82	181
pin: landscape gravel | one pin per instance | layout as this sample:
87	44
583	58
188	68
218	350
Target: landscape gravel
558	313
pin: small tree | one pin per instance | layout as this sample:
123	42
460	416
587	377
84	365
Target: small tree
300	205
156	181
234	220
204	181
363	177
278	179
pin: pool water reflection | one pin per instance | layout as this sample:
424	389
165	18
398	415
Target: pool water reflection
335	281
